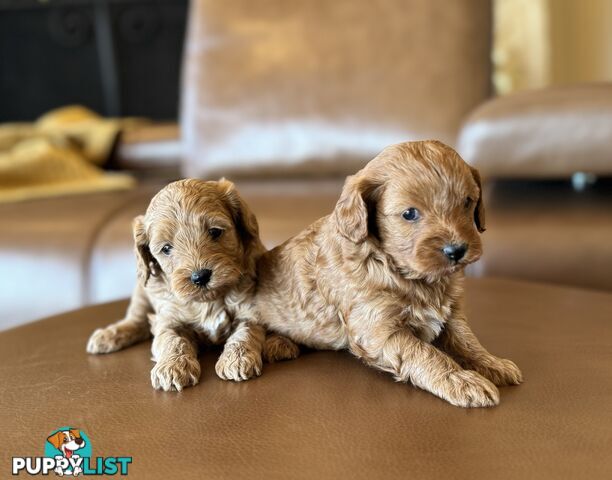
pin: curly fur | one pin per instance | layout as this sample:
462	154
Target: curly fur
367	280
178	313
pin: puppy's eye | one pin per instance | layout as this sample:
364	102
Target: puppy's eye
412	214
468	202
166	249
215	232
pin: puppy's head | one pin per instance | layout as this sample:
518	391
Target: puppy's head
421	204
200	236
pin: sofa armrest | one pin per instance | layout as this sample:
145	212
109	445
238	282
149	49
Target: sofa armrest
548	133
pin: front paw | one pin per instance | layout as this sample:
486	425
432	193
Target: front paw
104	340
175	373
238	363
500	371
465	388
277	348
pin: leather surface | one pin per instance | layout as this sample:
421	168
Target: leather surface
325	415
322	87
550	133
548	232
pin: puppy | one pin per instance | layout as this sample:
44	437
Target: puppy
382	276
196	248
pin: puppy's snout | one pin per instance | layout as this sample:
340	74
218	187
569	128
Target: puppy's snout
455	252
78	441
201	277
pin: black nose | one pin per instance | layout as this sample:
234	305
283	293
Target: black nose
78	441
201	277
455	252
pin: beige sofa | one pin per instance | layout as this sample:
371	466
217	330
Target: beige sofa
287	101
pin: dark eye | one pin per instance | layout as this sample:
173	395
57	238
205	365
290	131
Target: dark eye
468	202
166	249
412	214
215	232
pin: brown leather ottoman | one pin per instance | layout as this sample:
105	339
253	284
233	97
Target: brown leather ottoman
325	415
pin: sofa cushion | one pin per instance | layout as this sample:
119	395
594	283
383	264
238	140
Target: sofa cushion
149	146
322	86
45	246
550	133
112	263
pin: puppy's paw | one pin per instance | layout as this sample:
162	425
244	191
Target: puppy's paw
500	371
176	373
105	340
465	388
238	363
277	348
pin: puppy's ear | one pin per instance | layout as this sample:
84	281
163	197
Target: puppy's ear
244	219
75	432
354	208
56	439
146	263
479	212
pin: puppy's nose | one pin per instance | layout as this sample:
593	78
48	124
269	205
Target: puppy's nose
455	252
78	441
201	277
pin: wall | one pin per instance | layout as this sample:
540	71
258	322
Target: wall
551	42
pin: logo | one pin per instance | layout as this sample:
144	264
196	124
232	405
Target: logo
68	452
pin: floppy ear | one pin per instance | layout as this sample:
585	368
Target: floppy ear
479	212
56	439
244	219
146	263
354	208
75	432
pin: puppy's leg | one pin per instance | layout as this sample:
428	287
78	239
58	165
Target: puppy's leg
176	353
241	356
132	329
458	340
410	359
277	348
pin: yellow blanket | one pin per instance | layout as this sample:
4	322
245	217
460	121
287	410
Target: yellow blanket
59	154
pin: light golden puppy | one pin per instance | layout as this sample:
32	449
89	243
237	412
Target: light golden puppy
382	275
196	247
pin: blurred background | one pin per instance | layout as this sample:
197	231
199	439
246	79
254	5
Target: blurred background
102	102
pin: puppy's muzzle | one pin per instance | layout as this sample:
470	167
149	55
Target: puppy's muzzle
455	252
201	278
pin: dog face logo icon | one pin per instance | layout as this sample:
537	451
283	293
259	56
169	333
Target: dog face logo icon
69	447
67	441
68	452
